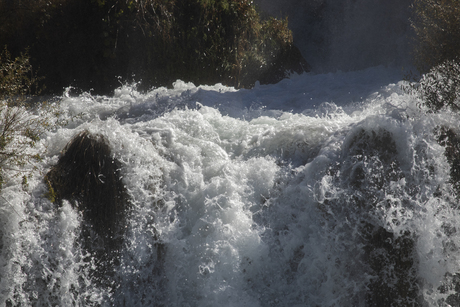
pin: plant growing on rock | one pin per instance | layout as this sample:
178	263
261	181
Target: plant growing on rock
22	120
156	41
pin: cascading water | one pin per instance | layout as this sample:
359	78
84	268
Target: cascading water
322	190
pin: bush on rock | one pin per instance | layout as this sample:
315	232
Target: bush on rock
88	176
89	44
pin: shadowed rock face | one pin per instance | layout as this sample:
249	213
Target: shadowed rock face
369	166
88	177
451	141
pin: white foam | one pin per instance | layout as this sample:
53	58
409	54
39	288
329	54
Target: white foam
237	186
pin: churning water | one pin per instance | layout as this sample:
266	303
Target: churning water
322	190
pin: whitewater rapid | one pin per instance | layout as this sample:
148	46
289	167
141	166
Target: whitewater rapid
294	194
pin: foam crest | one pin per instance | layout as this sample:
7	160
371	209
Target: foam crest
256	197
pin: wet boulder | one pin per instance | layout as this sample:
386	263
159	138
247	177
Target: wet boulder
288	61
280	64
88	176
368	174
449	138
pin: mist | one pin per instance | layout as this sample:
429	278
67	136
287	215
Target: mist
347	35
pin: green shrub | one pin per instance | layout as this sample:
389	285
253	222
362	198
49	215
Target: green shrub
437	27
437	53
203	41
16	78
440	87
21	120
65	40
89	44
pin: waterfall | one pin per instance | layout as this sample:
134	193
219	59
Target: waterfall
322	190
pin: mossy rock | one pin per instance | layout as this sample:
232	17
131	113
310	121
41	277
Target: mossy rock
393	263
154	42
368	168
371	162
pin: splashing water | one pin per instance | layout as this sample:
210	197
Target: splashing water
322	190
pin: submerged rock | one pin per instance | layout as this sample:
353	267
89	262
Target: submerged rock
451	141
88	176
286	62
368	174
393	262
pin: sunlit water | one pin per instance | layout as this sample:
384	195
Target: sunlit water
322	190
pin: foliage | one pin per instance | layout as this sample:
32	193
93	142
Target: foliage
88	176
212	41
65	39
437	53
450	139
437	27
89	44
440	87
21	121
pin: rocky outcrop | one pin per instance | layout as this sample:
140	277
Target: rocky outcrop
88	176
451	141
287	62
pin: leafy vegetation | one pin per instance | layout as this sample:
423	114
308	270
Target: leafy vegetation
22	121
437	26
440	87
89	44
437	53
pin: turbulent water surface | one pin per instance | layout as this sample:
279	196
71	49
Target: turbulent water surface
322	190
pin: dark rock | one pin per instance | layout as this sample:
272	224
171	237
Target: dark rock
370	163
288	61
451	141
369	167
392	260
88	176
